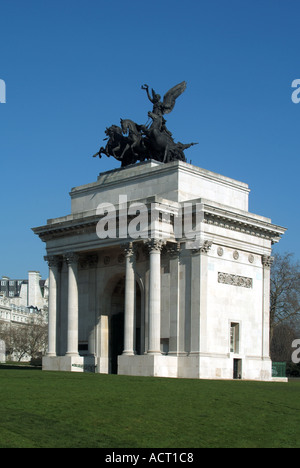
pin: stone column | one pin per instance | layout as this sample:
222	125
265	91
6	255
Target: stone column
54	283
129	319
267	263
154	247
176	316
93	262
72	340
88	265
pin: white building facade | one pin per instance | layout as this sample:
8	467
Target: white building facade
12	313
32	292
185	294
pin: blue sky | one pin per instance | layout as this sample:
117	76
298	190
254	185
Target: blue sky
72	68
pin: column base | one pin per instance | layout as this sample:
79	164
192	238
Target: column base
148	365
69	363
102	365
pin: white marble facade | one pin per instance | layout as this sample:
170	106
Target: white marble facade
158	304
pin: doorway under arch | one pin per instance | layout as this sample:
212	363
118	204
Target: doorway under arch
116	324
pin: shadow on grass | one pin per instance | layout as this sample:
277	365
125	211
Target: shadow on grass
19	367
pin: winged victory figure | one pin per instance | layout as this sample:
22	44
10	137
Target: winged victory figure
167	105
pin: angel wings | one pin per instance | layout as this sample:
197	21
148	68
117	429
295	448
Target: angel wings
168	103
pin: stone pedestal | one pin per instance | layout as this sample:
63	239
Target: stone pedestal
69	363
148	365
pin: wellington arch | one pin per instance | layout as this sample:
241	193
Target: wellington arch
157	304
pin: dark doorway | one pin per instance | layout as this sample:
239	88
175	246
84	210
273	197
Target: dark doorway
116	326
237	369
116	340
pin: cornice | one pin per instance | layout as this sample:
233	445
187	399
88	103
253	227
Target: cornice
71	227
247	223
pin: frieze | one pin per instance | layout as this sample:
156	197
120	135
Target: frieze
121	258
235	280
89	261
106	260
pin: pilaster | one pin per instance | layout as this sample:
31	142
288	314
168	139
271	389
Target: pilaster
199	298
267	263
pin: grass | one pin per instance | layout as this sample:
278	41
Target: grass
57	409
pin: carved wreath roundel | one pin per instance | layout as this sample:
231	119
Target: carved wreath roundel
236	255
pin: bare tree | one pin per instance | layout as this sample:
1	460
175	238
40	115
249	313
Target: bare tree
28	339
37	337
285	291
5	335
18	340
281	345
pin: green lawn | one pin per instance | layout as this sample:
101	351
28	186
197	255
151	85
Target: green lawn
57	409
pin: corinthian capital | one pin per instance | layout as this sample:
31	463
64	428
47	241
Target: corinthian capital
204	248
129	249
154	245
71	258
53	261
267	261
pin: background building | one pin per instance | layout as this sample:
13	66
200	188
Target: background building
31	292
23	315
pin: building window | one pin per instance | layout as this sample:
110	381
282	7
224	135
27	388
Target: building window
235	338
